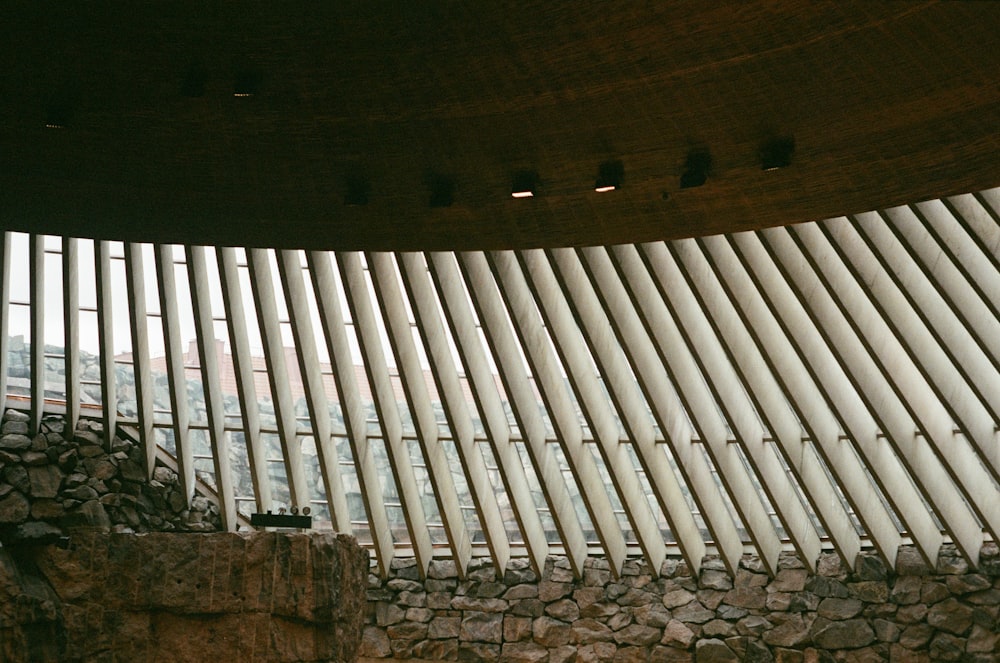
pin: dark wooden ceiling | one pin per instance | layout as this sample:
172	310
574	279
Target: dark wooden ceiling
888	102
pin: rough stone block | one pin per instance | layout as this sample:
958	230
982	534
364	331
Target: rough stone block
121	594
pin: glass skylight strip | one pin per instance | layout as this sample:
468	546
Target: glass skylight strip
584	401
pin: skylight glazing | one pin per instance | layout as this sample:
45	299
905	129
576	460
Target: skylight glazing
827	385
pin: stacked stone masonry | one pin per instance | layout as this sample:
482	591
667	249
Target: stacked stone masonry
100	563
56	480
870	613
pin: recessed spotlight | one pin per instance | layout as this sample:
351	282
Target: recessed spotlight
776	153
696	168
609	176
59	113
247	83
524	185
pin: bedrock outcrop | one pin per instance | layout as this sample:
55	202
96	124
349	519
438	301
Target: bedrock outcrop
261	596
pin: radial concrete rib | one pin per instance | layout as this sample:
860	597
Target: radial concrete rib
977	249
36	356
427	316
386	282
915	395
592	400
718	302
586	283
694	385
879	395
331	317
105	335
208	359
71	332
176	378
985	222
524	405
641	316
709	319
5	239
964	298
135	282
359	300
537	344
265	302
317	404
820	354
961	374
787	377
458	311
246	391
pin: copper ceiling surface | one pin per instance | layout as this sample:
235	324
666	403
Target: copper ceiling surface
887	102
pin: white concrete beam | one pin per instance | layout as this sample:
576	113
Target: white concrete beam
329	305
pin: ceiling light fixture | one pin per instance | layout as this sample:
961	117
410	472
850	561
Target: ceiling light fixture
609	176
776	153
247	83
60	107
524	185
58	115
696	168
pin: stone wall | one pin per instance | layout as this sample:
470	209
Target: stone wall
260	596
100	563
56	480
949	613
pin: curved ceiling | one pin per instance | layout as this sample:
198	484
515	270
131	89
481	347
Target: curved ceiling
887	103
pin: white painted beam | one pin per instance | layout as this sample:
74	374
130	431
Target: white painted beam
684	350
962	295
731	363
5	276
907	380
376	367
262	285
778	344
789	293
105	337
170	318
536	341
411	373
856	340
293	285
780	382
135	278
657	356
331	317
71	330
457	309
427	316
208	359
36	356
523	403
624	386
570	345
236	322
960	372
